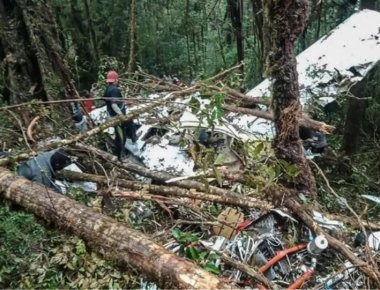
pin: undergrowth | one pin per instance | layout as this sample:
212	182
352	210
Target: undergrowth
32	256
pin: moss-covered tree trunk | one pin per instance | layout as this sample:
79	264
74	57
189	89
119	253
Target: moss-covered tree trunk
284	21
21	75
45	41
34	61
108	237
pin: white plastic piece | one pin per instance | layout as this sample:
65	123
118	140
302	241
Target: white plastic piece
318	245
372	197
374	241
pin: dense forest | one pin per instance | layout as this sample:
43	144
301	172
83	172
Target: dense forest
193	198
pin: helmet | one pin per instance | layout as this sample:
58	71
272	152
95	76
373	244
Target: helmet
112	76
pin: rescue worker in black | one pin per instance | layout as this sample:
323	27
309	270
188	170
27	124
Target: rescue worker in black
115	108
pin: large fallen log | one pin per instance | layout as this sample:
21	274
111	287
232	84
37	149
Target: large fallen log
112	239
163	176
229	199
304	120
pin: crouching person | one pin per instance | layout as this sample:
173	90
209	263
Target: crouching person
42	168
312	140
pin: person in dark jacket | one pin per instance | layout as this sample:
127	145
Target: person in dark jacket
115	108
313	140
42	168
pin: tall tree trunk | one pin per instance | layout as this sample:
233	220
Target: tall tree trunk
108	237
235	9
187	16
284	21
133	39
34	61
357	106
257	28
91	29
22	76
44	39
353	129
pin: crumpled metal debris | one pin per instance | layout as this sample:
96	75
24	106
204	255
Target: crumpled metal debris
140	211
327	223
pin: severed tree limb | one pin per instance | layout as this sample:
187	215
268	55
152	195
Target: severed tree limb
229	199
241	98
303	121
163	176
363	266
132	195
112	239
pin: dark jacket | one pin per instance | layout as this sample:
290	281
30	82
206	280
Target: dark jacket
113	92
40	170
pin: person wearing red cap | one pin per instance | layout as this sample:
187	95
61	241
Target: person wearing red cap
115	108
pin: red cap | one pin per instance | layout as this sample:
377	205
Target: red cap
112	76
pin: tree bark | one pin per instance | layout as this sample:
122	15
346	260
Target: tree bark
44	39
284	21
22	78
112	239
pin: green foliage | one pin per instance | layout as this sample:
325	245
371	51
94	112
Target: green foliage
182	237
188	249
32	256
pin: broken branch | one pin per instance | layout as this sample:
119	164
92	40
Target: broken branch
304	121
228	199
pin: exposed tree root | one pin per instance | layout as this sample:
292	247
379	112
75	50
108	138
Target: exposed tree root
29	131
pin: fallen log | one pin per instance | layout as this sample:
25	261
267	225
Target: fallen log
228	199
112	239
304	120
163	176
